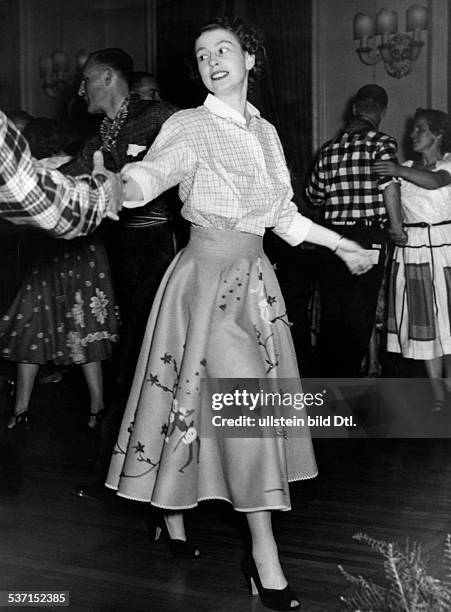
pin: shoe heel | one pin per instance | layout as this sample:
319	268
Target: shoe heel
20	422
158	531
253	587
182	549
274	599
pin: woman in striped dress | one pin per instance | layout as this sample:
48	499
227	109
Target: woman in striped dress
419	311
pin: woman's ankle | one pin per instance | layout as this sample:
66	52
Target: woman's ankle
175	525
19	409
269	568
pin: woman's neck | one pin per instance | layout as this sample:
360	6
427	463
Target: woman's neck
430	158
237	101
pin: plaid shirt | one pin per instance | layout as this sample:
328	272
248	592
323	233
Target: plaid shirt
144	121
45	198
231	176
343	179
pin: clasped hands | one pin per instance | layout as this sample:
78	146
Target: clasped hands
357	259
115	201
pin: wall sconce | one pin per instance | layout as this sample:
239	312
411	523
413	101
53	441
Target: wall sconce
397	51
55	74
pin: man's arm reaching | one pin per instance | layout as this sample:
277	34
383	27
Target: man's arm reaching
64	206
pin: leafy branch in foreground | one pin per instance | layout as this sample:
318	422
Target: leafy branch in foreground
408	587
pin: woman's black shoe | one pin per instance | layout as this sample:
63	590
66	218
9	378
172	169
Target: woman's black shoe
182	549
275	599
19	421
95	418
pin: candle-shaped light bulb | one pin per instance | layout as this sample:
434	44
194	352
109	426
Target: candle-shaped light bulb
416	18
45	68
363	26
80	59
60	62
386	22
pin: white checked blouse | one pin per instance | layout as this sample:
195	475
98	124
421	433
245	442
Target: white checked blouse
231	176
343	180
64	206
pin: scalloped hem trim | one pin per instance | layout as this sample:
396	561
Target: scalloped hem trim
210	498
300	478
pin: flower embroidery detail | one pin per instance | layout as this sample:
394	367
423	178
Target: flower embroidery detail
77	310
139	448
153	379
73	341
98	306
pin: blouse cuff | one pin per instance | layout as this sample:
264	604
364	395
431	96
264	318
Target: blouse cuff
142	178
297	231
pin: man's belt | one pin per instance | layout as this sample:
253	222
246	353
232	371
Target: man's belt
424	224
140	221
371	222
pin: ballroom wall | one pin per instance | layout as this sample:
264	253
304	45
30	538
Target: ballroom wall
33	28
47	25
338	71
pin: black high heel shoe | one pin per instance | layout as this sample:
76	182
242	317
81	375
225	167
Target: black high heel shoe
182	549
96	418
275	599
19	421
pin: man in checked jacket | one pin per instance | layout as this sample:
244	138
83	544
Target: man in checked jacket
361	206
146	240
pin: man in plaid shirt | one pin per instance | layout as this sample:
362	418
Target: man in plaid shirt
359	204
63	206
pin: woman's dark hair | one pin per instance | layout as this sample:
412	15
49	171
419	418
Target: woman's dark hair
250	37
45	137
439	123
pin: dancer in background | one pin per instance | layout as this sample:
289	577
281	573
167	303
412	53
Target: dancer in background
359	208
419	314
64	312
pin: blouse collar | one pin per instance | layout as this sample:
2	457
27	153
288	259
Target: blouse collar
221	109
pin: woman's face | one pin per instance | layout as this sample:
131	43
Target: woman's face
223	65
422	137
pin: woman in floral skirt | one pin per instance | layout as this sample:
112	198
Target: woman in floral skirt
64	312
219	313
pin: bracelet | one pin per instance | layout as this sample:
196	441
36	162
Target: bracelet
338	243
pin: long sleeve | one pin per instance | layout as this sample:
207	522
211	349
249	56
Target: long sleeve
291	226
168	160
316	187
66	207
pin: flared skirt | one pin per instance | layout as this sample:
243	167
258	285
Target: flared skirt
218	314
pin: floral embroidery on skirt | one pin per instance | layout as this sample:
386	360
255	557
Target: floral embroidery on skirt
218	313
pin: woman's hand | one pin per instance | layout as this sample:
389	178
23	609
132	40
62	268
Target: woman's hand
387	168
114	203
358	260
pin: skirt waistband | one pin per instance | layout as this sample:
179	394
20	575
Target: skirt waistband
225	242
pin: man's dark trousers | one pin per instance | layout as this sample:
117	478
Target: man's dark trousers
348	304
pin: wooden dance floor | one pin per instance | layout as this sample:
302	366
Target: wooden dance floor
100	551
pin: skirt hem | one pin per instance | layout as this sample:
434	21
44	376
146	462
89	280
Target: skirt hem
211	498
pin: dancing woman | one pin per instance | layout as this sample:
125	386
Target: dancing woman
219	312
419	312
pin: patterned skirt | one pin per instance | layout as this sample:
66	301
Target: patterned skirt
64	311
218	314
419	308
